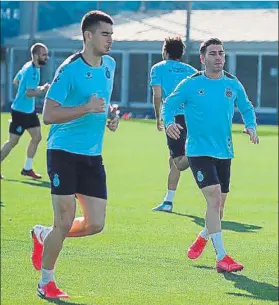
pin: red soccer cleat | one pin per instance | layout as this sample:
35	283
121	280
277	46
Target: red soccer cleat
197	248
38	247
30	173
227	264
51	291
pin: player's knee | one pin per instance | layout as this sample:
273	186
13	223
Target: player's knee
215	199
37	139
64	228
181	163
95	228
12	142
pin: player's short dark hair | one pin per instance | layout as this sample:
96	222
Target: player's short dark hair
208	43
35	48
174	47
93	18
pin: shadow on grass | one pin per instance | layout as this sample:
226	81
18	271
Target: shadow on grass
226	225
61	302
256	290
39	183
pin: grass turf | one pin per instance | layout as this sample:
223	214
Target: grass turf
139	258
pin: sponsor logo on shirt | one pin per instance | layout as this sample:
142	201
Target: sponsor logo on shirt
88	75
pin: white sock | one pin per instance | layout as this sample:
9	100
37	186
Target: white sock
217	242
28	164
47	276
169	196
204	233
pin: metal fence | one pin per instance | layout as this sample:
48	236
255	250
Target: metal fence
257	71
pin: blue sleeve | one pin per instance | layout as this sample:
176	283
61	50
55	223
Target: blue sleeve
30	77
60	86
18	76
173	102
245	107
155	78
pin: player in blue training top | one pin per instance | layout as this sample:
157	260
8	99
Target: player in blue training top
77	106
24	116
209	98
164	77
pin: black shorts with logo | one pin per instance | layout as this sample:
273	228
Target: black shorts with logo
211	171
22	121
177	147
71	173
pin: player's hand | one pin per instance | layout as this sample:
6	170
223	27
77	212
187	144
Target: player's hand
173	131
113	111
95	104
253	135
113	124
45	87
159	124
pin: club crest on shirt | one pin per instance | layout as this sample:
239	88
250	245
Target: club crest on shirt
228	92
107	73
88	75
201	92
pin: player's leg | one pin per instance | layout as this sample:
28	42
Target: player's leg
64	208
48	241
93	219
34	129
92	195
9	145
173	178
224	178
16	130
205	172
224	173
178	162
202	170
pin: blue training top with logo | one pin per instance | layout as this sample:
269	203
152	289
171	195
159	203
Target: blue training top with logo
74	83
168	74
29	78
209	109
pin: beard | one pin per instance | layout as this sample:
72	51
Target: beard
42	62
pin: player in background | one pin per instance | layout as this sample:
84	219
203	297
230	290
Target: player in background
77	107
209	98
23	112
164	77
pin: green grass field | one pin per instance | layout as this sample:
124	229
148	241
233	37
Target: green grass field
139	258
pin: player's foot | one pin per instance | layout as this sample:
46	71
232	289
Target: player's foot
30	173
51	291
1	176
166	206
227	264
38	246
196	249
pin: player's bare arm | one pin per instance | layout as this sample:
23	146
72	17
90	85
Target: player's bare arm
157	100
39	91
54	113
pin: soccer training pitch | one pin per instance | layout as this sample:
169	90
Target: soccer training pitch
140	258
